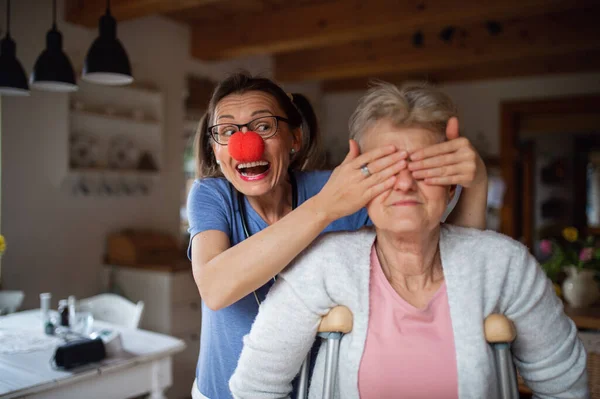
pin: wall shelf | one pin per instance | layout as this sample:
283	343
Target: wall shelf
110	182
116	139
91	172
121	119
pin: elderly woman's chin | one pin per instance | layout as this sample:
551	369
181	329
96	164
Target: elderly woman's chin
405	219
405	226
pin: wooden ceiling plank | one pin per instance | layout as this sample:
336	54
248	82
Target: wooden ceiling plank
88	12
535	66
552	35
200	90
343	21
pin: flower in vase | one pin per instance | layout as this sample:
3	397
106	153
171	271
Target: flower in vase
570	250
586	254
546	247
570	234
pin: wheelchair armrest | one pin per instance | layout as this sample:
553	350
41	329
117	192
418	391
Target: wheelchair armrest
499	329
339	319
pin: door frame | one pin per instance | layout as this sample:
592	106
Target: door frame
512	114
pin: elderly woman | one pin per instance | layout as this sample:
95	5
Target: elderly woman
254	208
419	290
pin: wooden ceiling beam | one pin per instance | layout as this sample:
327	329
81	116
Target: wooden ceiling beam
534	66
88	12
342	21
551	35
199	92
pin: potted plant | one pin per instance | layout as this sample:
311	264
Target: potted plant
579	259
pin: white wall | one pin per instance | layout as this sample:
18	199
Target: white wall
55	240
478	103
337	108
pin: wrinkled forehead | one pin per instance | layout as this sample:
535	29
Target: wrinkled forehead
241	107
403	138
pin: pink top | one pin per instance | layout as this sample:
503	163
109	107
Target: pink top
409	352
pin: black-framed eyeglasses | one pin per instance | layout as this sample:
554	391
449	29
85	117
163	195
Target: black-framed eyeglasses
265	126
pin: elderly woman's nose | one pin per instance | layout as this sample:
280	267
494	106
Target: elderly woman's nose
405	180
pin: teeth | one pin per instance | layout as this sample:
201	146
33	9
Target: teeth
252	164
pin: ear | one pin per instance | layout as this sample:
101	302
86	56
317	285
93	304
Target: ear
451	192
213	145
297	139
453	195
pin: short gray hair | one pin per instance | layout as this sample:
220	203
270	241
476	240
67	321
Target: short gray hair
417	104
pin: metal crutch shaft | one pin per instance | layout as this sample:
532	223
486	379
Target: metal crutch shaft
303	382
500	332
506	370
331	362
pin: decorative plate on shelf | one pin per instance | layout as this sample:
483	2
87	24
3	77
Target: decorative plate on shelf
122	154
83	151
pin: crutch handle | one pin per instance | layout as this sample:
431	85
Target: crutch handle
339	319
499	329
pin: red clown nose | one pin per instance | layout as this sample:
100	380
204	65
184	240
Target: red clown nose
246	147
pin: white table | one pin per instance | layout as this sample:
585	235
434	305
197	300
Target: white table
144	366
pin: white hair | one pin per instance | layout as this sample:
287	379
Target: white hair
416	104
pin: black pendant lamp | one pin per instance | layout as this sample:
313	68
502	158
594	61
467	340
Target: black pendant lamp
13	80
107	62
53	70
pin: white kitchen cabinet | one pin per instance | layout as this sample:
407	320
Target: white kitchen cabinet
172	306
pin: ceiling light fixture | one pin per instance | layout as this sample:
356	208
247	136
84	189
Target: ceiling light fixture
417	39
106	61
494	28
13	80
447	33
53	70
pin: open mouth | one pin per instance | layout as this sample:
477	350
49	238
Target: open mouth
252	170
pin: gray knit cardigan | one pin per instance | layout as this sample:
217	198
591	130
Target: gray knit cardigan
485	273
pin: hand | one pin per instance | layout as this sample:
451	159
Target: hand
452	162
349	190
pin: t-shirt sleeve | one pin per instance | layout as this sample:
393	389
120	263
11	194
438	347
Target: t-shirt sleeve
207	209
315	181
363	219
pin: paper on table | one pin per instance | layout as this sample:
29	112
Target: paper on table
22	341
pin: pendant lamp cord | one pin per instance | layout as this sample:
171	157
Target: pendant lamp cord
7	18
54	14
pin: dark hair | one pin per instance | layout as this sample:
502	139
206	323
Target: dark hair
297	109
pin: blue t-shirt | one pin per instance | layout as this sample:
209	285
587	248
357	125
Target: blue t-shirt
212	205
